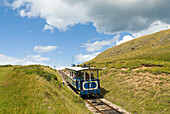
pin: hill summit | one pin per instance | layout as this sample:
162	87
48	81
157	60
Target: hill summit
154	47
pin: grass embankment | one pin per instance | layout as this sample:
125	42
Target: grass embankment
136	91
36	89
137	73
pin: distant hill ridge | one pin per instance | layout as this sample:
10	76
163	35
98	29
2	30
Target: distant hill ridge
154	46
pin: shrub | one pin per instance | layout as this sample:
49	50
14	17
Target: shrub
36	69
5	65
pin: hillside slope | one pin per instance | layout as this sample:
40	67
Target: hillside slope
148	51
36	89
136	74
154	47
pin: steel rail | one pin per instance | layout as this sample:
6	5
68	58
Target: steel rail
94	107
109	106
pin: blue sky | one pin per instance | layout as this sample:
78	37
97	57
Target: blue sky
31	35
18	36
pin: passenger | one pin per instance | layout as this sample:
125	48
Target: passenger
92	77
74	77
87	76
73	74
78	79
79	76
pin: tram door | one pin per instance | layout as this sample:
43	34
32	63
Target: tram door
86	79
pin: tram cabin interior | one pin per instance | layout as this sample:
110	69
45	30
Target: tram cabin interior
80	73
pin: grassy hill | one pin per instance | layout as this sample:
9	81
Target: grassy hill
149	51
36	89
137	73
136	77
150	47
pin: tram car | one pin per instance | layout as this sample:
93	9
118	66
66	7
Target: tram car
84	79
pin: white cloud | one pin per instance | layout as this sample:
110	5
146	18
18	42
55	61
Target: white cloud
57	13
83	58
43	49
49	27
59	67
108	16
124	39
98	45
29	59
37	58
154	27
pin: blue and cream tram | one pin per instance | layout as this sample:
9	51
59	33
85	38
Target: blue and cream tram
84	79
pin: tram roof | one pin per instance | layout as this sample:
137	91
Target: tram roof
81	68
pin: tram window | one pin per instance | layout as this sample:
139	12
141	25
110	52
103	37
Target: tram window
87	76
92	76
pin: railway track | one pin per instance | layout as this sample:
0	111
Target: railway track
101	107
62	74
96	105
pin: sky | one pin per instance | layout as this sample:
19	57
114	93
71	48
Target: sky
54	32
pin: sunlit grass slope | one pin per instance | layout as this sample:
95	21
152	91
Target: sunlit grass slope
150	51
137	92
36	89
137	74
150	47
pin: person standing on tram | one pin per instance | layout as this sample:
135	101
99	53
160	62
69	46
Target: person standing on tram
87	76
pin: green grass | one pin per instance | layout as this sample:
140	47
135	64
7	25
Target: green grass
28	90
138	92
151	47
154	47
137	73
